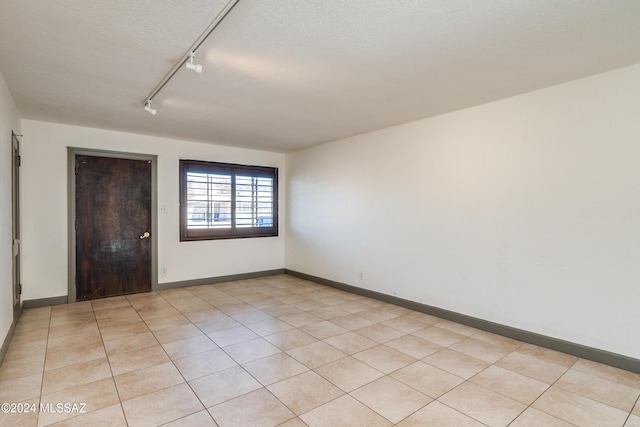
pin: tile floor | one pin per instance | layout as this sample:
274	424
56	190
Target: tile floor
281	351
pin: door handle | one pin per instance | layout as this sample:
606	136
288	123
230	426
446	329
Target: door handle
145	235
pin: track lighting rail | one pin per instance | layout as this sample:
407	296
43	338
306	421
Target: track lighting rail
187	58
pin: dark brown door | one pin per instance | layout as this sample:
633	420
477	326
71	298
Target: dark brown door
113	225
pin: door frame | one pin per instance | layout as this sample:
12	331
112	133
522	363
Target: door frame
72	152
16	235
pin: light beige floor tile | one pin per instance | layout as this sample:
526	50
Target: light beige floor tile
269	327
352	322
482	404
22	351
28	325
602	390
531	417
78	354
199	419
349	373
328	313
458	328
282	310
189	346
251	350
432	381
161	406
80	327
232	336
384	359
251	316
344	411
78	333
207	314
224	385
147	380
274	368
578	410
414	346
27	418
548	355
176	333
482	350
119	321
137	359
75	375
610	373
633	421
201	364
300	319
391	398
257	409
435	414
188	305
123	330
323	330
109	303
20	389
378	315
353	307
533	367
290	339
111	416
165	321
35	313
89	397
300	301
17	368
130	343
217	324
30	335
406	324
456	363
380	333
350	342
236	308
518	387
440	336
122	311
71	318
316	354
304	392
498	340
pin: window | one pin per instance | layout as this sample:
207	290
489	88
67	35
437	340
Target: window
226	201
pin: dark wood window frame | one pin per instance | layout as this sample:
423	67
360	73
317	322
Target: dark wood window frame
229	227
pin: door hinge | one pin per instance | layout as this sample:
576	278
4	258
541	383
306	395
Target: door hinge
18	160
20	289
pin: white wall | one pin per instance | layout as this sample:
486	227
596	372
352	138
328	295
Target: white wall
44	203
9	121
524	212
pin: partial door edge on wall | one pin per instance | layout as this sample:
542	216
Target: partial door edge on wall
73	152
15	224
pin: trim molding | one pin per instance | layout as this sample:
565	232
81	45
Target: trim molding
7	340
218	279
45	302
597	355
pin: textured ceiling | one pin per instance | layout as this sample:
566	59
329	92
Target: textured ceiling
281	75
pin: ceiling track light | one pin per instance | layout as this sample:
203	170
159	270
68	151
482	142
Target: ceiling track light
147	108
191	66
187	59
